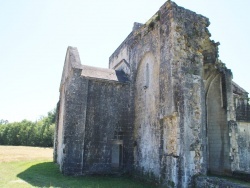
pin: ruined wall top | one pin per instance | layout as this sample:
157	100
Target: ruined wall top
72	61
239	90
175	13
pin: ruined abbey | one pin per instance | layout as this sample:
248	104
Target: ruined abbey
166	109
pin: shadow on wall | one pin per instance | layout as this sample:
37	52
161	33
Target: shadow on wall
47	174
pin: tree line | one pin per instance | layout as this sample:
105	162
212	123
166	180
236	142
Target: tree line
28	133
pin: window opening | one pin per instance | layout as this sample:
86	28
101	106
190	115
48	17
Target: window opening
146	84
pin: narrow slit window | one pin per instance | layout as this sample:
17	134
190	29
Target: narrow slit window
146	77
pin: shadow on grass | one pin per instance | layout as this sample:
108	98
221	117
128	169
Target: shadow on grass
47	174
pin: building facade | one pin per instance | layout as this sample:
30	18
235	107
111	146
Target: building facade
166	109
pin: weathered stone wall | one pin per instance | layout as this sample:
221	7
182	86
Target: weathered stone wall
243	110
215	182
93	117
60	127
184	47
90	132
74	124
141	47
108	122
244	146
169	130
197	52
164	110
190	76
147	128
70	124
144	62
242	130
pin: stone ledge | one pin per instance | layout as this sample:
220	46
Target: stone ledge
241	175
216	182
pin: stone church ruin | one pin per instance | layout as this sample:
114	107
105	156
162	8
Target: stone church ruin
165	110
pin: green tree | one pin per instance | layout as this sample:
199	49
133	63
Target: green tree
28	133
3	122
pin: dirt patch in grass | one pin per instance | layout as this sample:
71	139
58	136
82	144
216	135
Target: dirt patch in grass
24	153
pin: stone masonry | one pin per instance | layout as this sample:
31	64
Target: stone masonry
166	110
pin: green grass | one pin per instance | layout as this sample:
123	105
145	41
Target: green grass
24	174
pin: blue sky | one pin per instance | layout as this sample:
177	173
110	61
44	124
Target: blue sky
35	34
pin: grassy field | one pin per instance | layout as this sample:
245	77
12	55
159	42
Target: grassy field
24	167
